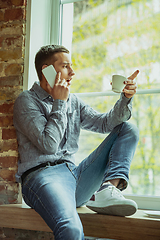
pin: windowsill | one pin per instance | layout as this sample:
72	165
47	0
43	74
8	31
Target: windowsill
20	216
145	202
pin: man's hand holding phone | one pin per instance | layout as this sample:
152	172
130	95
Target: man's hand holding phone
50	74
58	88
61	88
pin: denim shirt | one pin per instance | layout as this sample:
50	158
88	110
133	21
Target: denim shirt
48	129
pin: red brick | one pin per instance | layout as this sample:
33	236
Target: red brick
12	28
1	41
9	3
6	55
6	121
6	107
11	200
11	81
13	186
1	15
2	187
13	42
8	161
8	133
7	175
13	69
9	93
7	145
1	67
9	191
18	2
5	3
12	33
14	14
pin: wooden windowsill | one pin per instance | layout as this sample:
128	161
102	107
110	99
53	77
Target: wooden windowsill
137	226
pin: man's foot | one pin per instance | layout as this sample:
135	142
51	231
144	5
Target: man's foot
109	200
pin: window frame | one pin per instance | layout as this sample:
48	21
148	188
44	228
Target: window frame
144	202
56	27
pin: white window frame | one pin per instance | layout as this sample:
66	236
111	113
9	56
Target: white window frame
55	29
39	34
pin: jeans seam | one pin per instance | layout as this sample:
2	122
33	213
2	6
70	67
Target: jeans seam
109	163
110	158
92	162
118	131
71	171
39	200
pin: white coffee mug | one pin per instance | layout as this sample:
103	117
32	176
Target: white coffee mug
118	83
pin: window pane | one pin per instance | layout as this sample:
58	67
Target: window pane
115	37
118	37
145	167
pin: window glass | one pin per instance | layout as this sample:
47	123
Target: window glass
118	37
115	37
145	167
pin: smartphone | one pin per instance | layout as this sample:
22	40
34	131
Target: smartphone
50	74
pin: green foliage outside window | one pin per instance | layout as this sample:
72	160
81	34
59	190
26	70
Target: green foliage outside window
118	37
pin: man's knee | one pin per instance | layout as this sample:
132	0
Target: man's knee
70	229
131	130
74	232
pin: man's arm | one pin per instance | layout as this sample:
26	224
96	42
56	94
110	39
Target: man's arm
30	120
105	122
121	111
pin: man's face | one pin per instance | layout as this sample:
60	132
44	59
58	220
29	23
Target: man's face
64	65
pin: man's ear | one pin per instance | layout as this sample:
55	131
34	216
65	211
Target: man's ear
44	66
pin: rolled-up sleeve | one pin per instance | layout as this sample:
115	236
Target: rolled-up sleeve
105	122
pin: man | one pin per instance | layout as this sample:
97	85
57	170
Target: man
48	122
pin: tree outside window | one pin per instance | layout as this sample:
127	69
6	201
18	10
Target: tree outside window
118	37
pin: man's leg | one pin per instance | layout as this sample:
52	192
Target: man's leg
95	169
90	172
108	199
121	155
51	192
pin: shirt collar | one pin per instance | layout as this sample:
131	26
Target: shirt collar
42	94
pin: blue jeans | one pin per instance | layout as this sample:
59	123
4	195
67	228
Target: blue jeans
55	191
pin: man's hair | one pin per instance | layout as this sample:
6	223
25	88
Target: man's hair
45	56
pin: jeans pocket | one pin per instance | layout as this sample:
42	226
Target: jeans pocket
31	175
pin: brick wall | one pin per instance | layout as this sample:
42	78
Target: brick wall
12	43
19	234
12	46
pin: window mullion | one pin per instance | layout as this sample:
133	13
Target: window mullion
55	22
110	93
70	1
67	25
